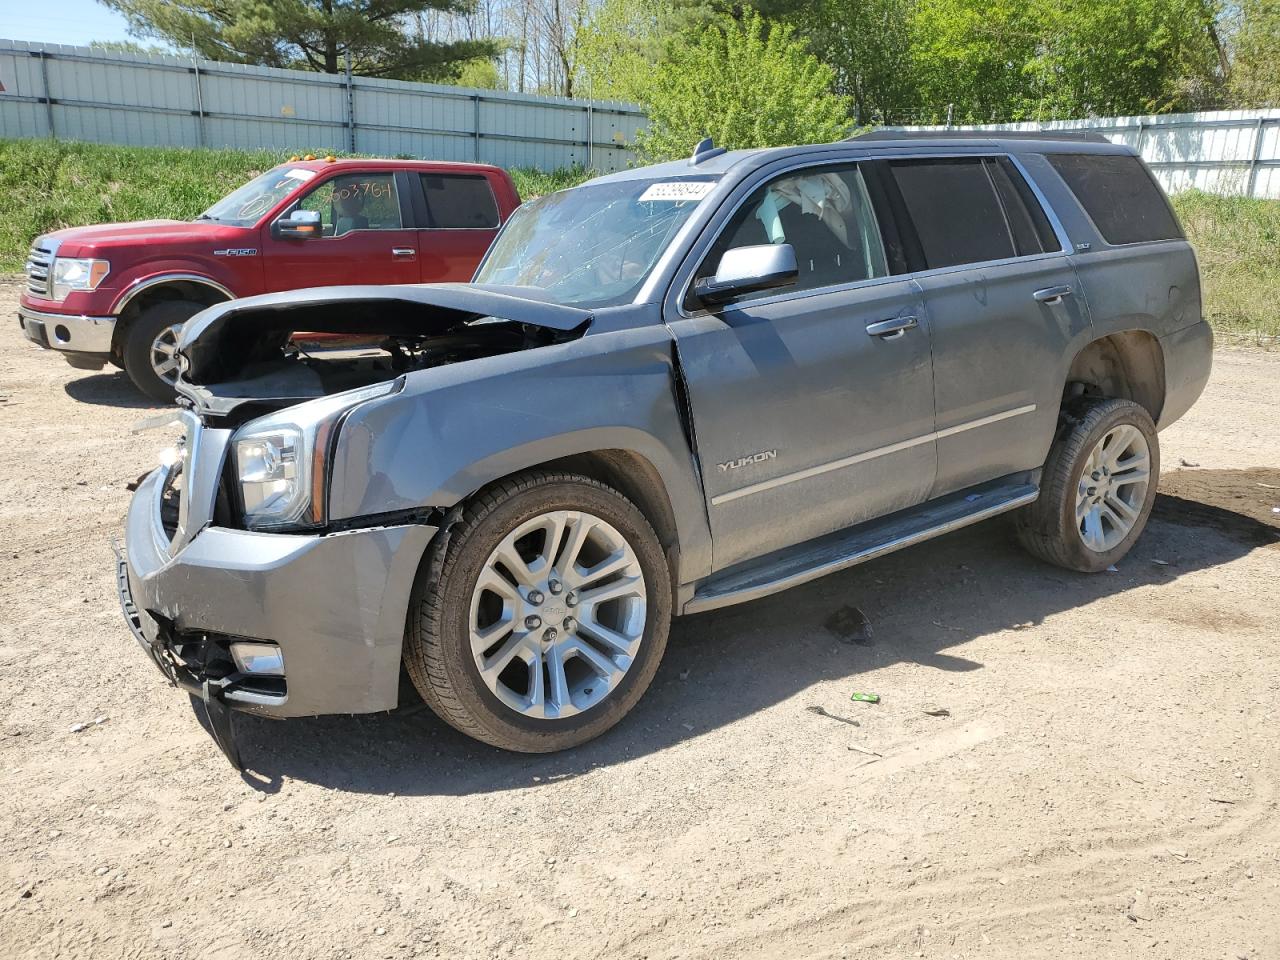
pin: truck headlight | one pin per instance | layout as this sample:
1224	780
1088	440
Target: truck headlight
70	273
281	460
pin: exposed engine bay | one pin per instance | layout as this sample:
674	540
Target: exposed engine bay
247	357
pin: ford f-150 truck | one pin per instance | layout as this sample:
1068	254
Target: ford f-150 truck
668	390
121	292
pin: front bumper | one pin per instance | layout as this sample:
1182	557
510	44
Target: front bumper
335	603
86	341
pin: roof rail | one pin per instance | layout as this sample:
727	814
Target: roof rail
1080	136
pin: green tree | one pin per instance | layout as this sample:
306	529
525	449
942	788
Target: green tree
868	45
308	34
745	86
1255	68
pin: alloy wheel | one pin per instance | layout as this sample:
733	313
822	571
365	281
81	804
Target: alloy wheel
557	614
1113	488
164	354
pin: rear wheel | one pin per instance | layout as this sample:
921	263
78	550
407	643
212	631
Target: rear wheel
1098	487
150	347
539	619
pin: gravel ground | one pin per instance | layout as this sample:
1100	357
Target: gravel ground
1100	779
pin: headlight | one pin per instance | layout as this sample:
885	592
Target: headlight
76	274
280	460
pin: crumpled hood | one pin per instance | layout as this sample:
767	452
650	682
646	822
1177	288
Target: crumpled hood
232	333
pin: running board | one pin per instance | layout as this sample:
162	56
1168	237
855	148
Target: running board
847	548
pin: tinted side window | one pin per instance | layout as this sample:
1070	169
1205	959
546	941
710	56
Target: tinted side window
460	201
1122	199
824	213
1027	222
956	212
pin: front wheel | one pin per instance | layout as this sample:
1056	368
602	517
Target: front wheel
1098	487
539	618
150	347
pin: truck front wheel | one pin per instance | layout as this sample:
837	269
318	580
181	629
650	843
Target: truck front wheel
150	357
540	616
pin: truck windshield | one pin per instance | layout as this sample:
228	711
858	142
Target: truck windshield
592	245
246	205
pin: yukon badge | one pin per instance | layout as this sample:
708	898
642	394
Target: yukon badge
760	457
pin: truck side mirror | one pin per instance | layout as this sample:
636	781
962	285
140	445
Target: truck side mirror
747	269
298	225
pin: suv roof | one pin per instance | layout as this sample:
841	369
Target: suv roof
881	141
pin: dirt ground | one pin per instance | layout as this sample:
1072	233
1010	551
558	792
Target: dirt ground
1103	781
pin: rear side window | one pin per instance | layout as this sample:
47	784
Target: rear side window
1027	222
1120	196
955	209
460	201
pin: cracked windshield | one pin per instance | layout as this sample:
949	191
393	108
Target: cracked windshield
592	245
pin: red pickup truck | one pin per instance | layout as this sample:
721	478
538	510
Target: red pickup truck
121	292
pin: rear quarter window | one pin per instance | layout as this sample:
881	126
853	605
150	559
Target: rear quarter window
1120	196
460	201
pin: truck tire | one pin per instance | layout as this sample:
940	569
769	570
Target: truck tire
1098	487
540	613
149	343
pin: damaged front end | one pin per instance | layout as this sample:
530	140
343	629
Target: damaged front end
232	578
245	357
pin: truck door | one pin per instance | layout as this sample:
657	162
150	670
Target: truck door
457	220
1004	305
364	236
812	404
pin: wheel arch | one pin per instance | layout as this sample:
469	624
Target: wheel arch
169	286
1128	365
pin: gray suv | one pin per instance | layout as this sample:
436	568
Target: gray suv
668	390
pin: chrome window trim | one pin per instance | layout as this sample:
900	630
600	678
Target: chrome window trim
139	285
700	248
872	454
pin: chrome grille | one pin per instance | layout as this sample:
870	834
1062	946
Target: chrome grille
39	264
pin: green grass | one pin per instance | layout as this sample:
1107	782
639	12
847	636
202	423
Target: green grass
1237	242
46	185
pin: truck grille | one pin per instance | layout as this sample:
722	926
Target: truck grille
39	265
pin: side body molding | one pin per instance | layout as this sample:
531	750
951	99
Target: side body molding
453	429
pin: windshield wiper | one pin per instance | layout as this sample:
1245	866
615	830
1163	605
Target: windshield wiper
205	216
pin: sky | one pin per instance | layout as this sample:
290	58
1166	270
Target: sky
76	22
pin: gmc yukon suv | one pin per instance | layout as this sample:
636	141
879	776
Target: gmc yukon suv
120	292
668	390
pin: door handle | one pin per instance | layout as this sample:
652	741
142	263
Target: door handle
1052	295
403	252
892	328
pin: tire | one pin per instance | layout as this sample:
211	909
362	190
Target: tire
1054	528
141	361
448	601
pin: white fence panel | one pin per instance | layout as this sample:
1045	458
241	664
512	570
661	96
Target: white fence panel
76	93
1222	151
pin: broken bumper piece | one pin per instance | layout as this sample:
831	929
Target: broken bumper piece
318	619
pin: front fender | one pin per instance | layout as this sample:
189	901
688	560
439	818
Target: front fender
454	429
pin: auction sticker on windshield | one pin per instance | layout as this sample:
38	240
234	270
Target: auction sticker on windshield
677	190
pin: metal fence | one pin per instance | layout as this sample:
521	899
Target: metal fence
77	93
1223	151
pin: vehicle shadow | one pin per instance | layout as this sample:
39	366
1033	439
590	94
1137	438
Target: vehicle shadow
925	603
111	388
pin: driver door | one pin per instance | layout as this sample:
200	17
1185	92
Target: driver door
806	421
364	238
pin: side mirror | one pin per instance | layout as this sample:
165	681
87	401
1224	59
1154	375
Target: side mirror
298	225
746	269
